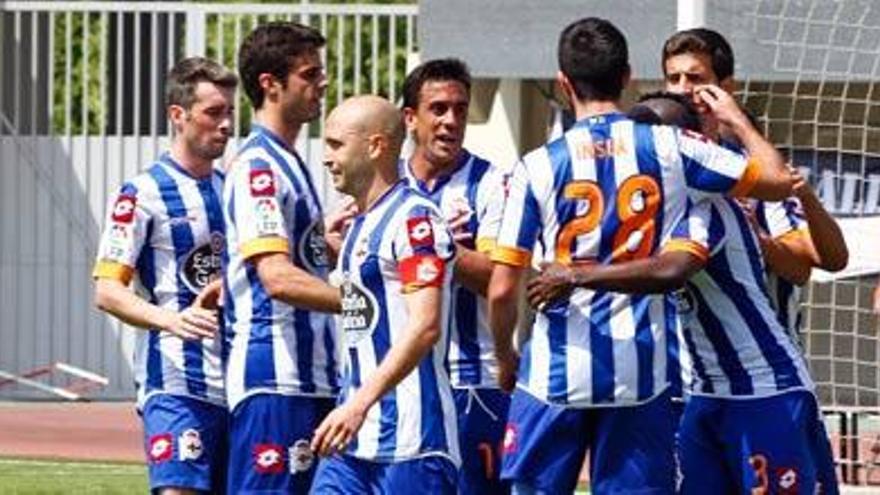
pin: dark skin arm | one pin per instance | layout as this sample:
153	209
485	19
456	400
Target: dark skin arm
662	273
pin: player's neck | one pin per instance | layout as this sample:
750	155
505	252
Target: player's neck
426	170
382	182
195	165
591	108
272	120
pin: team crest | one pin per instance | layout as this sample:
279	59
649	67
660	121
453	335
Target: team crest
301	456
189	445
161	448
268	458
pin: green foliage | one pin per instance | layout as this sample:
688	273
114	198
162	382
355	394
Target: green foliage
82	85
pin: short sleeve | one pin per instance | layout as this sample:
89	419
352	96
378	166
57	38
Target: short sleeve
495	189
713	169
695	232
782	218
520	221
423	249
124	235
259	195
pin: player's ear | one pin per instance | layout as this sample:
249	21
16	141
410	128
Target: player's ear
176	115
566	88
267	83
409	119
377	145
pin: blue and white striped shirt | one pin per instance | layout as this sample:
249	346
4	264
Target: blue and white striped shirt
400	244
608	190
270	206
166	228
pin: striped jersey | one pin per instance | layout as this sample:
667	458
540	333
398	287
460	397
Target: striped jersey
270	206
398	245
737	346
783	219
165	228
470	189
608	190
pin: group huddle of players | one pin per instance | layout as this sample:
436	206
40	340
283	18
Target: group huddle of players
371	349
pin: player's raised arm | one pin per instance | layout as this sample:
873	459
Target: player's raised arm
828	248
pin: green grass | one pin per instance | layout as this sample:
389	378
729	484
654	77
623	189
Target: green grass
28	476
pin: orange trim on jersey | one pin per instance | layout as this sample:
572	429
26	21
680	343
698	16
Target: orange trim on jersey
114	270
511	256
689	246
748	180
485	245
264	245
796	233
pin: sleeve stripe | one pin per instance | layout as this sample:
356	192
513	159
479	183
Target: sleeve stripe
114	270
511	256
748	180
794	233
485	245
264	245
687	245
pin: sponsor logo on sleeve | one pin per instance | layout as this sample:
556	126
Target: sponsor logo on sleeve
189	445
420	231
262	183
123	209
268	216
161	448
301	456
268	458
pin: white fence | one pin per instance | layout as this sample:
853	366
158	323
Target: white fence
81	109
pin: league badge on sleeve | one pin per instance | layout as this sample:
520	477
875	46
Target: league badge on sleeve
420	232
262	183
123	209
268	216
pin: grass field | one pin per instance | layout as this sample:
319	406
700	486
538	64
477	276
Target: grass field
24	476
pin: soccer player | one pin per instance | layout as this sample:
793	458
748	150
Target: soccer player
282	366
594	374
750	423
795	234
166	228
436	96
394	429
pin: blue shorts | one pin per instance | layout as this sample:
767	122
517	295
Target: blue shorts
738	445
269	439
185	443
826	471
482	415
344	474
631	447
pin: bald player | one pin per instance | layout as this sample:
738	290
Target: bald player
395	426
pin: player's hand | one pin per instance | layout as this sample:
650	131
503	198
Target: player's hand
337	430
554	282
508	364
458	225
194	323
211	296
800	188
337	222
722	105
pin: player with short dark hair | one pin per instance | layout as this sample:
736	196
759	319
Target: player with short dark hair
166	229
467	189
282	372
594	375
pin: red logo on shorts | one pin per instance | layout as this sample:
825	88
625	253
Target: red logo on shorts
508	443
123	209
161	448
787	481
268	458
262	183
